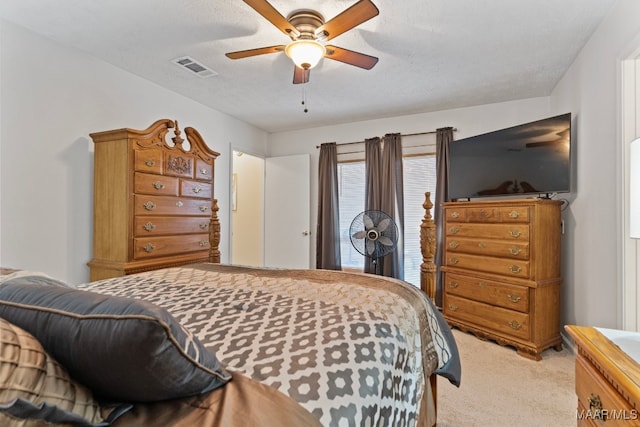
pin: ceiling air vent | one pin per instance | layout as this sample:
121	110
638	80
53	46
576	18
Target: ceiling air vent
194	67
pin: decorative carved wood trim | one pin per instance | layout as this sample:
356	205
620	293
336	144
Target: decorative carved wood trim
214	234
428	248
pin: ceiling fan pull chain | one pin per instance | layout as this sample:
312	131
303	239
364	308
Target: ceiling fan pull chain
304	99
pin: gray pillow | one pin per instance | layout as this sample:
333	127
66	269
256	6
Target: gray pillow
123	349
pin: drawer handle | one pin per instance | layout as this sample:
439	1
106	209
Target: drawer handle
595	404
515	325
454	230
482	245
514	214
453	245
196	189
514	251
204	243
179	204
204	171
158	185
149	247
204	208
515	233
455	214
515	269
482	284
513	298
453	307
149	206
204	226
149	226
453	261
453	285
150	163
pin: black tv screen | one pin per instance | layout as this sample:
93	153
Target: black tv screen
532	158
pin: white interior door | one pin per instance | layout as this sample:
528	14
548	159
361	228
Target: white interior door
287	211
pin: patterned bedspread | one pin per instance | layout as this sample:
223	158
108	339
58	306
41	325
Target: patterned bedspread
353	349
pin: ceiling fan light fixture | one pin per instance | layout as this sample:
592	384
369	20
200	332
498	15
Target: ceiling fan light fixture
305	53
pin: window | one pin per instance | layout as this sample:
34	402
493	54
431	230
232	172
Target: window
419	177
351	202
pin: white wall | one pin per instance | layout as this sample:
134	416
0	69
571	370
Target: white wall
469	121
247	221
592	258
52	98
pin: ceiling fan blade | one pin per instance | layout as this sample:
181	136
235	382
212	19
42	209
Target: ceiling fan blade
254	52
348	19
272	15
351	57
300	75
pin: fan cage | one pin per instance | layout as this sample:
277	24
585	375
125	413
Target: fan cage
373	234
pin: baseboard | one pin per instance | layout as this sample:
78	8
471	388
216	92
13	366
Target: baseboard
568	342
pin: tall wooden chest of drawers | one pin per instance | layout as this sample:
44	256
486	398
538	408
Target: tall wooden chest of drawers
501	270
153	201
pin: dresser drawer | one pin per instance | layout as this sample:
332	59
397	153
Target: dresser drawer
166	205
490	247
475	214
513	323
602	404
145	183
204	170
488	214
195	189
489	231
179	165
514	214
159	225
457	214
148	160
150	247
500	294
502	266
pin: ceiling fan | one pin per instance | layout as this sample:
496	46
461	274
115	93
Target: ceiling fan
308	32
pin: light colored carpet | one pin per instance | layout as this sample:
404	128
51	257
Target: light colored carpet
501	388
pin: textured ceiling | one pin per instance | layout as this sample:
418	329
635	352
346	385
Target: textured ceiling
434	54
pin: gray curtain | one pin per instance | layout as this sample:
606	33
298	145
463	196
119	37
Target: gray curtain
372	199
328	232
392	201
443	137
384	193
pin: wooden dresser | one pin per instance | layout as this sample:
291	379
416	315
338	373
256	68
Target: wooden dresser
501	269
153	201
607	379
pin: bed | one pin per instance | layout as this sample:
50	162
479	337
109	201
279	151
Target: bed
209	344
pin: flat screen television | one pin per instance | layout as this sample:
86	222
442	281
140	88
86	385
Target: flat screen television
529	159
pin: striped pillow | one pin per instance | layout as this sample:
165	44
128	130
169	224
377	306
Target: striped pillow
35	388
